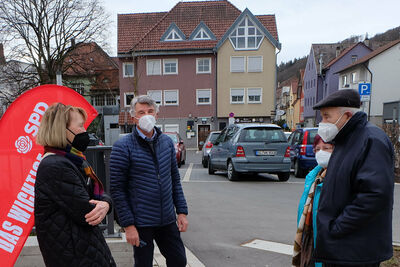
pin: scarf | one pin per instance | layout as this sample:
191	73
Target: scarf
79	160
304	239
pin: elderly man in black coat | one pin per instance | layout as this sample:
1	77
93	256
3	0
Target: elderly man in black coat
354	220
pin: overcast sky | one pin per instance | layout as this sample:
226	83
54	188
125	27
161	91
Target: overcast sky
300	23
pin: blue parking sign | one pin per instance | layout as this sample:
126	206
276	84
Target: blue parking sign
364	88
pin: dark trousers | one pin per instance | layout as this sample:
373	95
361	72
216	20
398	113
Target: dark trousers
362	265
168	239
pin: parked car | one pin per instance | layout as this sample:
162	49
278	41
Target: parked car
94	140
208	144
301	150
287	134
251	148
180	148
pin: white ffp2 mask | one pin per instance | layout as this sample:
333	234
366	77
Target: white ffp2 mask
328	131
322	158
147	123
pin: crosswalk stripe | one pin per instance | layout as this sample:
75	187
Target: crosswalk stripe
188	173
269	246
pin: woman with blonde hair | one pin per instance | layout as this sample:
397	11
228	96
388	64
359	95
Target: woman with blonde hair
69	197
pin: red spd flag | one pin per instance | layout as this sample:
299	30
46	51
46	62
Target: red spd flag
19	160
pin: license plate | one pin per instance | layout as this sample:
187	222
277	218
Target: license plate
265	153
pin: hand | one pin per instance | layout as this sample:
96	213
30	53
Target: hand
182	223
132	235
98	213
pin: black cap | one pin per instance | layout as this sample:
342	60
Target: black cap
341	98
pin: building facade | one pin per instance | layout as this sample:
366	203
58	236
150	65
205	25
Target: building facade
183	58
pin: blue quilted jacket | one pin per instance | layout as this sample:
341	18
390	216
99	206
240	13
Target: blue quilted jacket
145	185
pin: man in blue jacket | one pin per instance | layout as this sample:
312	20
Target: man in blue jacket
146	188
354	219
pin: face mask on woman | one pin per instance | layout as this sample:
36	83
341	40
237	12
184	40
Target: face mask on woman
322	158
147	123
81	140
328	131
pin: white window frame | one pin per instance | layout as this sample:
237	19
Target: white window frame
248	95
170	60
197	97
204	35
246	35
125	95
244	64
175	36
171	125
244	96
255	70
147	67
156	91
177	98
344	80
353	77
197	65
123	70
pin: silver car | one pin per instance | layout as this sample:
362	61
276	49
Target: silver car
251	148
208	144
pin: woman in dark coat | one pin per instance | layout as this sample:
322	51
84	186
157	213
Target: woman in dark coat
69	198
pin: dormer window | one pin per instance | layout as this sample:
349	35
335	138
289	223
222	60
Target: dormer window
246	35
173	36
202	35
202	32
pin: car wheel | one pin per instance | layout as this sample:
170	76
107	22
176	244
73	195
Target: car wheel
298	171
283	176
232	174
204	162
210	167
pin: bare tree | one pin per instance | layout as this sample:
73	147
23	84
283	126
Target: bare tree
41	31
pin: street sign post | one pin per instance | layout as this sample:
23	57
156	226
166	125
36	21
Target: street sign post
365	91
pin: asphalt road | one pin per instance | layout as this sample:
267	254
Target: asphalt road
223	215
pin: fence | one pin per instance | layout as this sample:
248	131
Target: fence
99	158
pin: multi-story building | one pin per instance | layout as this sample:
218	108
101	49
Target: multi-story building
200	61
90	71
380	69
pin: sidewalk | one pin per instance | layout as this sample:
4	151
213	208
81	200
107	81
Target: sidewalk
122	252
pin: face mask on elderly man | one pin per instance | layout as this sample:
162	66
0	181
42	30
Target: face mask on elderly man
147	123
328	131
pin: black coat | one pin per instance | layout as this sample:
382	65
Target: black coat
354	219
61	202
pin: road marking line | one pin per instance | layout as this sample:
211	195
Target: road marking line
269	246
192	260
199	181
188	173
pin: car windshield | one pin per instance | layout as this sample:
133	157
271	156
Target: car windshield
174	137
311	135
261	134
214	137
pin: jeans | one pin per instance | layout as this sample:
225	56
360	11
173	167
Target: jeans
168	239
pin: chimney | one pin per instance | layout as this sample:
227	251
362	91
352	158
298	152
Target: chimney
2	58
366	40
321	62
337	51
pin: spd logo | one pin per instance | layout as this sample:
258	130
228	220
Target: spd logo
23	144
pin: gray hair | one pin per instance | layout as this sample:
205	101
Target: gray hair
142	99
349	109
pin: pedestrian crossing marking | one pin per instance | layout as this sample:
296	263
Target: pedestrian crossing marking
269	246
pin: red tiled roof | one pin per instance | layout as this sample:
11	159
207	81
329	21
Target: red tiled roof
372	54
132	27
269	22
343	53
88	60
217	15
